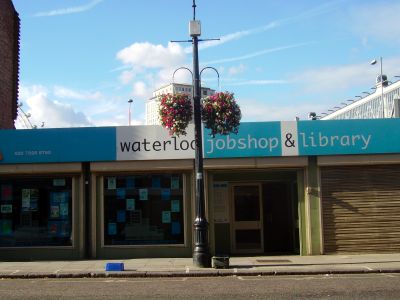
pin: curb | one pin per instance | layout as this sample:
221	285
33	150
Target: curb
217	273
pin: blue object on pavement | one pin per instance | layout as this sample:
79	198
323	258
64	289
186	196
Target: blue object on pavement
114	266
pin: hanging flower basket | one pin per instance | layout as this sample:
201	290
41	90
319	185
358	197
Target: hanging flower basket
221	114
175	112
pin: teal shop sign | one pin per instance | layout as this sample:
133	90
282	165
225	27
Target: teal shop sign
304	138
258	139
57	145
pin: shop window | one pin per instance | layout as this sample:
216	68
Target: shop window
35	212
145	209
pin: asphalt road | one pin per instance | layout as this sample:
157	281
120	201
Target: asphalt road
368	286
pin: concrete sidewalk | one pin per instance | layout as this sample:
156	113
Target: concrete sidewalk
183	267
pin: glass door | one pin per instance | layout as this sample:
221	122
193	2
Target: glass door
247	224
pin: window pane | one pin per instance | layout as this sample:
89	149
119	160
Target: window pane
247	203
35	212
143	209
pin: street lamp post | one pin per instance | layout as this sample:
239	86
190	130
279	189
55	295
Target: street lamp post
129	113
201	252
383	101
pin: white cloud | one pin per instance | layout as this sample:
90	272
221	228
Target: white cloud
54	114
379	21
69	10
342	77
257	82
63	92
315	11
261	111
258	53
235	70
152	56
140	90
126	77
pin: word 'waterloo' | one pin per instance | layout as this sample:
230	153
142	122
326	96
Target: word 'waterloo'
166	145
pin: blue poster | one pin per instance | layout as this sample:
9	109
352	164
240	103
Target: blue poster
112	228
121	216
121	193
165	194
156	182
130	182
175	228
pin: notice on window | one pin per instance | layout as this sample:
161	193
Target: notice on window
130	204
166	217
174	183
221	202
143	194
175	206
111	183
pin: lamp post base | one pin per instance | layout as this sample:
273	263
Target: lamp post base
201	259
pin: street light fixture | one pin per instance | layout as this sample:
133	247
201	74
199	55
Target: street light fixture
381	80
129	114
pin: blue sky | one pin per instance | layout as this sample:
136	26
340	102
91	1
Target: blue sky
82	60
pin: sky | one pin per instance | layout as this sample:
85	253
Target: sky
82	60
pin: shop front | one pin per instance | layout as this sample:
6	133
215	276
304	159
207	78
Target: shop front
275	188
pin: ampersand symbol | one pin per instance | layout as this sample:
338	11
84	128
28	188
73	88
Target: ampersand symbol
289	143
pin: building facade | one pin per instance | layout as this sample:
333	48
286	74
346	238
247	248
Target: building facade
383	103
172	88
297	188
9	62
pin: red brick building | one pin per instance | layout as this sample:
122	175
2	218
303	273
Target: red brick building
9	62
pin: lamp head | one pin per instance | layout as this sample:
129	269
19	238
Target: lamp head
373	62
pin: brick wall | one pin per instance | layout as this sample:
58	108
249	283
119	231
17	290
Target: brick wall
9	62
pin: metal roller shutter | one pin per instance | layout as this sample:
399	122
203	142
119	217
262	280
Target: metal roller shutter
361	209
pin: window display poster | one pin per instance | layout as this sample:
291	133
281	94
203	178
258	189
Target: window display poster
166	216
156	182
130	182
30	198
63	209
64	230
165	194
130	204
34	197
5	227
112	228
121	193
53	227
54	211
6	192
26	199
174	183
175	206
121	216
6	208
143	194
59	182
175	228
111	183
